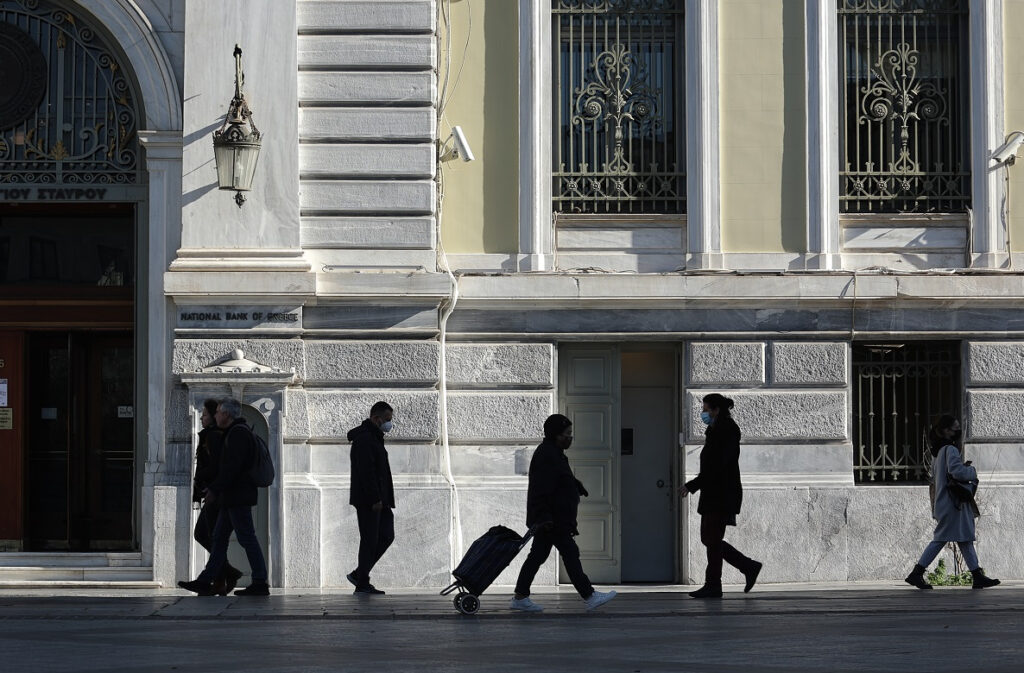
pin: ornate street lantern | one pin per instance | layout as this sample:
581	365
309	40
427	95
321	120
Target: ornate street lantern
236	144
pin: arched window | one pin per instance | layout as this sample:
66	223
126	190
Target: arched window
68	112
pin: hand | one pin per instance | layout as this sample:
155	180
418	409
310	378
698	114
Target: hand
683	492
378	506
967	462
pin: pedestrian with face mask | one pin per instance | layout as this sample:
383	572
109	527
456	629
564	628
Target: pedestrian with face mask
372	494
954	517
552	498
721	495
208	454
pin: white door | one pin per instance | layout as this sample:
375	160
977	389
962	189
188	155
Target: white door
589	395
648	437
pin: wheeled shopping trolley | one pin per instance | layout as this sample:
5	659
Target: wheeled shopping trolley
490	554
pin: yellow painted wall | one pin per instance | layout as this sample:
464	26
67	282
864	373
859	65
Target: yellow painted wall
1013	73
763	125
481	197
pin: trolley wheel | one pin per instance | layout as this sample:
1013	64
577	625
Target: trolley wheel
457	600
467	604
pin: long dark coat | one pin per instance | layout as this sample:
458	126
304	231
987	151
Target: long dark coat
234	485
719	478
371	471
553	494
211	443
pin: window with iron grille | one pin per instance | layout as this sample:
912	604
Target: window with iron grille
618	119
904	93
898	391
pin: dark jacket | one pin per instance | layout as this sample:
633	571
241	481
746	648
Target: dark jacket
371	471
211	442
234	486
719	478
554	492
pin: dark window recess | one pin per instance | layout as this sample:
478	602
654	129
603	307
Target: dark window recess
899	389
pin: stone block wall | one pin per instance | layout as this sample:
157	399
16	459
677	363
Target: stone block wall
792	405
367	125
499	396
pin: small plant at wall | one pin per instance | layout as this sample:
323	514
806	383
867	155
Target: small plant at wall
940	578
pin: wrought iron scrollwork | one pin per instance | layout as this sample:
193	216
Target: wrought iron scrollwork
904	107
620	143
84	128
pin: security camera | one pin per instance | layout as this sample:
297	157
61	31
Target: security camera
1007	152
462	149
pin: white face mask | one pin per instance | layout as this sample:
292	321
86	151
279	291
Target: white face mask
386	426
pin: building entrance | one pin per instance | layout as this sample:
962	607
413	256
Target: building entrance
623	403
67	377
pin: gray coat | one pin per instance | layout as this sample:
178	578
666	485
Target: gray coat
954	525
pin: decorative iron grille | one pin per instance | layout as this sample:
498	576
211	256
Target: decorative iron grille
898	390
904	92
618	117
72	118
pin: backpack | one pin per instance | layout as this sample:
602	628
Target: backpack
262	470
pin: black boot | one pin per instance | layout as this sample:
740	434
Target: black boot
916	578
751	575
980	581
708	591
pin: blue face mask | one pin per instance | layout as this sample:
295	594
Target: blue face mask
386	426
706	417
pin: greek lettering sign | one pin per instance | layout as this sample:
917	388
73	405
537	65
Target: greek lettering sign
240	317
53	193
6	419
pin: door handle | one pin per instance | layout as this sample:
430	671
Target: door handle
661	483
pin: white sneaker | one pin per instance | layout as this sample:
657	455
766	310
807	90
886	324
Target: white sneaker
524	605
598	598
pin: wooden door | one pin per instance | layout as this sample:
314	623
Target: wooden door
589	390
12	432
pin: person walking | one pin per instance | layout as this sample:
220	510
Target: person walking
721	495
552	498
954	517
208	454
236	494
372	494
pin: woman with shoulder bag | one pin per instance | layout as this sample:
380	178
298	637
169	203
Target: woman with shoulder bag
952	505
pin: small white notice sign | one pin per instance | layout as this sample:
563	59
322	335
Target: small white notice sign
126	411
3	392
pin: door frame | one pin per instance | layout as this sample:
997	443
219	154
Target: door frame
679	529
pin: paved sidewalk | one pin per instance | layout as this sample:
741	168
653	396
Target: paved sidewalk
411	604
849	628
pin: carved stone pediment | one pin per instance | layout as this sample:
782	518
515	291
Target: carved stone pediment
237	372
237	363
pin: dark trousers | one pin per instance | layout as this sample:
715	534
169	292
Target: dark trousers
239	520
376	533
543	541
712	536
203	532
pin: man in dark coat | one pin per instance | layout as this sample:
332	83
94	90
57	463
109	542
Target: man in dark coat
372	494
208	454
552	498
721	495
236	494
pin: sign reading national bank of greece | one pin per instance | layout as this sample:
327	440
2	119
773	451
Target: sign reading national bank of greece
239	317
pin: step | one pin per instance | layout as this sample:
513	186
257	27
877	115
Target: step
76	574
60	584
77	560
